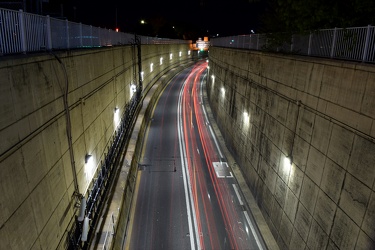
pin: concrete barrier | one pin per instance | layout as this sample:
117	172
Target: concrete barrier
302	132
42	158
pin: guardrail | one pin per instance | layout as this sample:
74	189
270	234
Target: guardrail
356	44
111	230
101	185
22	32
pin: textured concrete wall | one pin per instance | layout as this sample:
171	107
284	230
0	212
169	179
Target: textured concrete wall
37	200
319	113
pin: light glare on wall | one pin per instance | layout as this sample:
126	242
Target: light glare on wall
180	54
246	117
116	117
89	166
161	60
88	158
287	163
170	56
189	52
142	75
151	67
222	91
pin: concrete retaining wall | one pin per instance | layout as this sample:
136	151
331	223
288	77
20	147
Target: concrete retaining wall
321	115
37	201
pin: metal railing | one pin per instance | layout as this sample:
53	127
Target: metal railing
111	230
98	192
22	32
356	44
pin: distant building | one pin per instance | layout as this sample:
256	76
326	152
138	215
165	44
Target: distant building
201	44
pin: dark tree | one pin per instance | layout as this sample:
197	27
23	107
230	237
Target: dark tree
304	15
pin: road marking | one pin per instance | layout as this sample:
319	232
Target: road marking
237	193
187	185
222	170
253	230
211	131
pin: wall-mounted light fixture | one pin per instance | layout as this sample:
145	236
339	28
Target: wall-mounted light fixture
189	52
87	158
288	160
133	88
180	54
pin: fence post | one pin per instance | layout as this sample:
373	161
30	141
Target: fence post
365	50
333	42
91	38
100	42
80	35
22	31
67	34
291	44
49	35
309	48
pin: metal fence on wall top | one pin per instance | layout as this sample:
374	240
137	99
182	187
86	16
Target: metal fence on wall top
356	44
22	32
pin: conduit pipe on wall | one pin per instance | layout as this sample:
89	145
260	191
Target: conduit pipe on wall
290	156
69	127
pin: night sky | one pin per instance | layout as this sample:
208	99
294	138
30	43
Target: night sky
194	18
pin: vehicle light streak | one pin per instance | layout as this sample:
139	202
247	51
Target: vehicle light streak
207	173
221	188
187	186
194	167
208	150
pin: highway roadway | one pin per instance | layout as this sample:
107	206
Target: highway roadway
186	196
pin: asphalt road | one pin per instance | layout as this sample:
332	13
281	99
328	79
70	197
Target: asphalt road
186	196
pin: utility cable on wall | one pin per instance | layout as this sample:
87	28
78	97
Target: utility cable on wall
68	126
